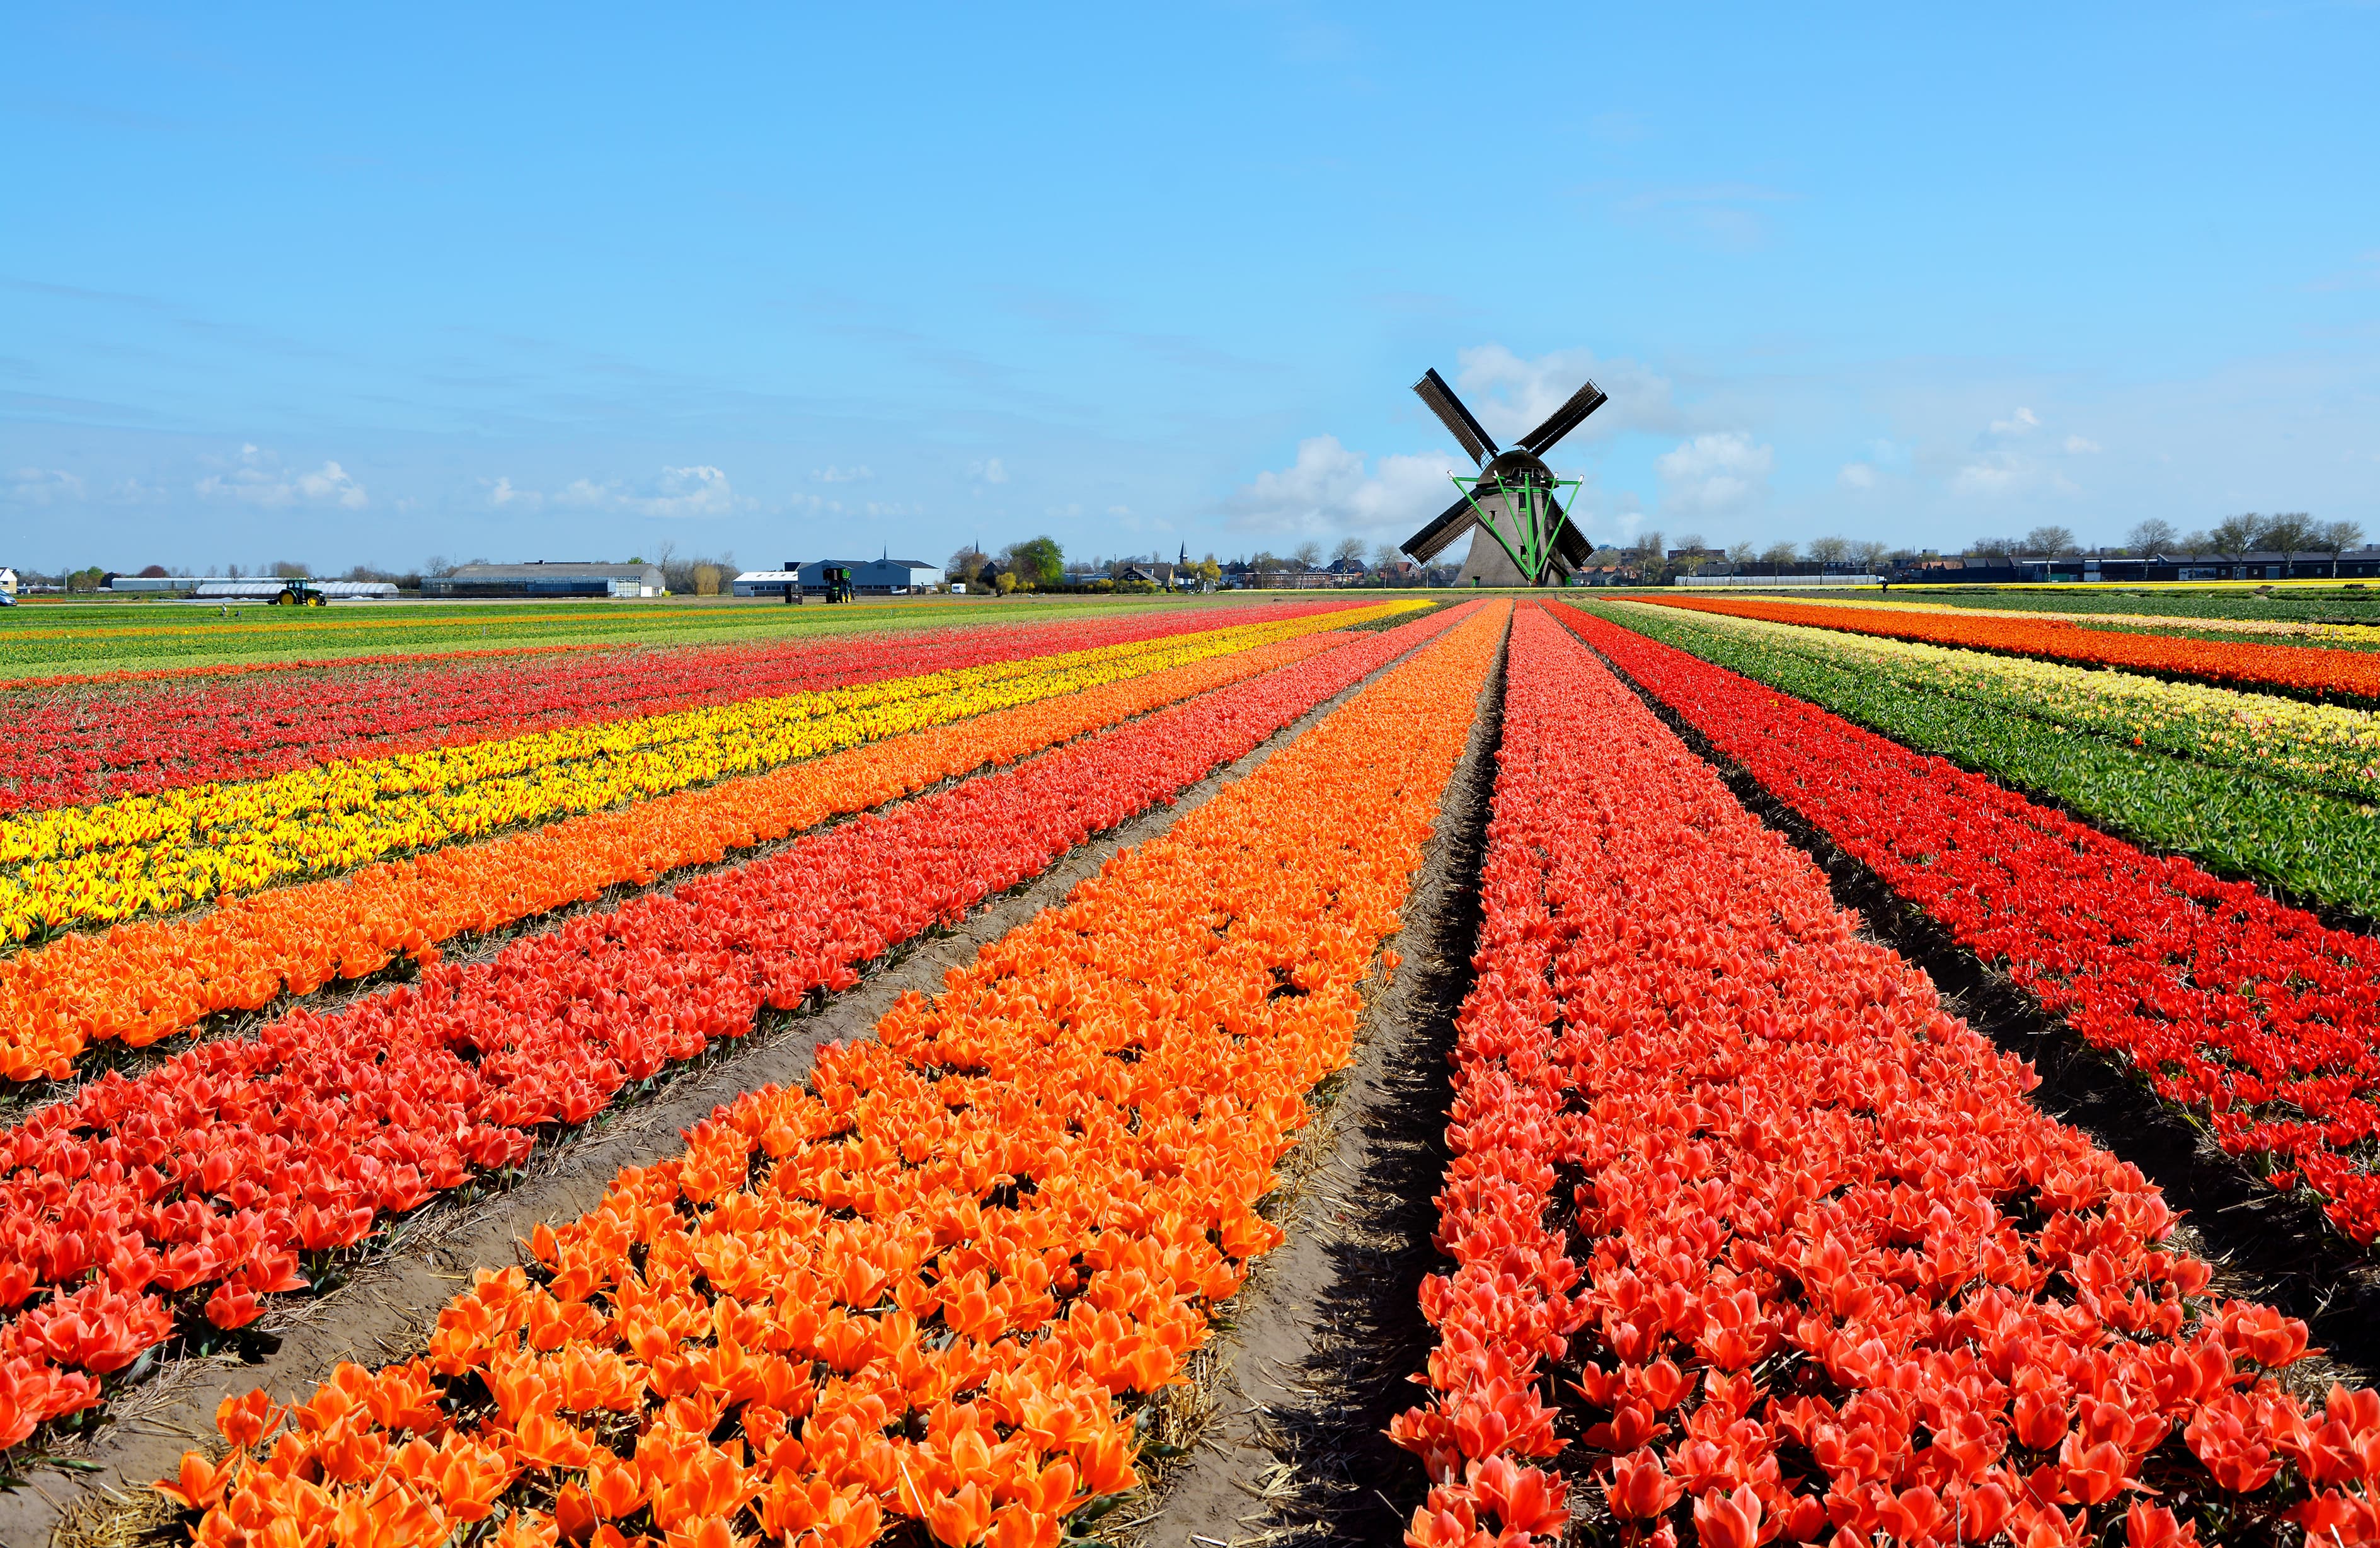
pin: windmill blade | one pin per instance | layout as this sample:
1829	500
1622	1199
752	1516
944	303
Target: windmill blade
1570	545
1433	390
1564	419
1432	540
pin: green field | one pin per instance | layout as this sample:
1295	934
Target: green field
42	639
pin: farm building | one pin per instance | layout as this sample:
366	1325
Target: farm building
547	578
869	577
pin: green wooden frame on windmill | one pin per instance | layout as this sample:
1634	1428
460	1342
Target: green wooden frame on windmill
1528	501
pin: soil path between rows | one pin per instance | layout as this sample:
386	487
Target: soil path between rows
387	1310
1310	1361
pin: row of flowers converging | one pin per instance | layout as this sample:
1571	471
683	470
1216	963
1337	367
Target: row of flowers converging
2286	629
2249	1014
187	1194
143	982
2320	747
69	750
2293	668
2236	821
147	854
917	1288
1752	1233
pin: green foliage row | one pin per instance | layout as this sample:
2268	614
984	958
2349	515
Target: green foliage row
2319	847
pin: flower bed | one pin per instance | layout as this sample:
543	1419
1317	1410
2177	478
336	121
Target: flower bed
2248	817
2251	1015
2329	747
2293	668
143	982
72	748
102	864
207	1181
1750	1232
917	1289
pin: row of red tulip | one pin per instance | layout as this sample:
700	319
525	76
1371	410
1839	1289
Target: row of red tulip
913	1293
69	749
1746	1226
2249	1012
205	1182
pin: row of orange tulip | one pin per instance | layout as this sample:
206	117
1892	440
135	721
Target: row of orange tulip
916	1288
140	982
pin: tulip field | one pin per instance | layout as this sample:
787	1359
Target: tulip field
1739	1231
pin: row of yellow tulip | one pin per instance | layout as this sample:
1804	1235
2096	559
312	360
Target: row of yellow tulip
2325	747
143	854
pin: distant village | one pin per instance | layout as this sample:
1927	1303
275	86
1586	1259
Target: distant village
2249	547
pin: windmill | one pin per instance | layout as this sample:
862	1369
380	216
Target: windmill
1514	496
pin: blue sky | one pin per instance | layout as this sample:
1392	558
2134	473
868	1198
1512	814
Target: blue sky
522	282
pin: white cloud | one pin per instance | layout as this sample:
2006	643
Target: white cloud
1512	395
674	493
1714	474
702	491
45	487
1856	475
858	472
501	493
259	479
2003	464
1328	491
989	470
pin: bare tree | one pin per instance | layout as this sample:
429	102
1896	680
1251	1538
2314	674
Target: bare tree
2002	549
1829	550
1385	556
967	563
1347	549
1307	554
2290	532
1741	552
1690	542
1869	555
2055	542
2335	538
1777	555
2153	535
2235	535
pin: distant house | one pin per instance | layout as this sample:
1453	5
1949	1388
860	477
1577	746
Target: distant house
7	581
546	578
